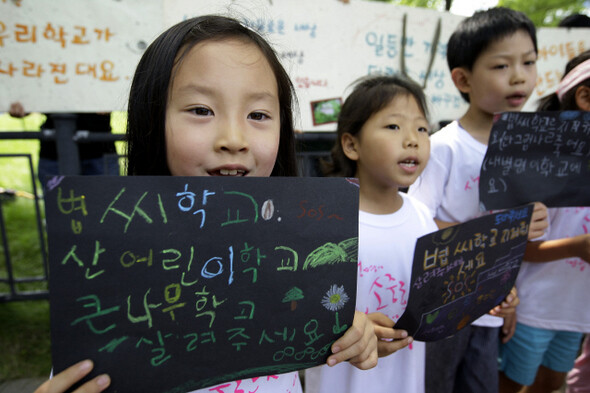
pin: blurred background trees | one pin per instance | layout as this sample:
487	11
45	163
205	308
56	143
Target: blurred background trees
541	12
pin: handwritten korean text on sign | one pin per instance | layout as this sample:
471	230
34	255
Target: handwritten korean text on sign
197	281
462	272
537	156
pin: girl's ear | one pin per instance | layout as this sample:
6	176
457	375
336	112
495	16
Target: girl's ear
349	146
460	77
583	98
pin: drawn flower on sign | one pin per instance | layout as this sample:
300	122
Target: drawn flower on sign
335	298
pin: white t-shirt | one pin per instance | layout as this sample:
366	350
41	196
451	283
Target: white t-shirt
449	185
554	295
386	252
282	383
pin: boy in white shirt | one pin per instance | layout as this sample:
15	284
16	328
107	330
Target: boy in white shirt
492	58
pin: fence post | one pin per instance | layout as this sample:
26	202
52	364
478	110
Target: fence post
67	149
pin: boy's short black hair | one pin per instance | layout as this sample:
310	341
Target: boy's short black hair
575	20
474	35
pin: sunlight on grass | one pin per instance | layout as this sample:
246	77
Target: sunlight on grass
31	122
15	172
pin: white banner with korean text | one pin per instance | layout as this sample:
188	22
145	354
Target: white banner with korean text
73	56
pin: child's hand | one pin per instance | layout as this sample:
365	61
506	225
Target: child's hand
507	310
583	246
358	345
390	340
508	307
64	380
538	221
508	328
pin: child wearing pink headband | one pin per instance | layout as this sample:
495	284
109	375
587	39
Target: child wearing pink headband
573	78
578	81
553	315
573	92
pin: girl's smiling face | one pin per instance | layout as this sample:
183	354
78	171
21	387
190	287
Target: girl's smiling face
223	113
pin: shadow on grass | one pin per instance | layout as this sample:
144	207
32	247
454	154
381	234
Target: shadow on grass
24	340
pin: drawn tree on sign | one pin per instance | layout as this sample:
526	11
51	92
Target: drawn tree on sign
292	296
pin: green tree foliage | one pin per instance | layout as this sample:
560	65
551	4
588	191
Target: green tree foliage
435	4
545	12
440	5
541	12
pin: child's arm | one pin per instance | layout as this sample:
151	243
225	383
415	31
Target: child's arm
358	345
552	250
389	340
444	224
64	380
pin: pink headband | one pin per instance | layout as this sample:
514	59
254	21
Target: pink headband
573	78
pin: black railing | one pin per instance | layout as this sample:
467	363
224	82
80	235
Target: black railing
11	278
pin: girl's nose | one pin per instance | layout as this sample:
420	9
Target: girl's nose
231	137
410	139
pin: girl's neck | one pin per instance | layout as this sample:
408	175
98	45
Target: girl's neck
478	124
380	201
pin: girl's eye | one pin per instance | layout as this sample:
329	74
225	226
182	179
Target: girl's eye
530	62
392	127
500	66
202	111
258	116
422	129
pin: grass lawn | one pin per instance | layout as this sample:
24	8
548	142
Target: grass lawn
24	325
24	340
25	349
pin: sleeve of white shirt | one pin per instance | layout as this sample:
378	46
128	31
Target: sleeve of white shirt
429	188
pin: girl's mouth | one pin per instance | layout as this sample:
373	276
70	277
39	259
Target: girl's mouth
228	172
409	163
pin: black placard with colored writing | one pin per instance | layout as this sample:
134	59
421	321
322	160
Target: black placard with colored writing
176	283
537	156
462	272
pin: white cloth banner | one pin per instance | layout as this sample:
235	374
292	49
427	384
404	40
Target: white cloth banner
80	56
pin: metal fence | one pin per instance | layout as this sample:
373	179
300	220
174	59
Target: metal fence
11	278
311	147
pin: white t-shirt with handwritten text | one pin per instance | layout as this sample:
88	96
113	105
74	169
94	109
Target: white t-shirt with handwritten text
386	252
449	185
554	295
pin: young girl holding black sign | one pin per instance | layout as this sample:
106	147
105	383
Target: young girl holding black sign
553	311
210	98
383	141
